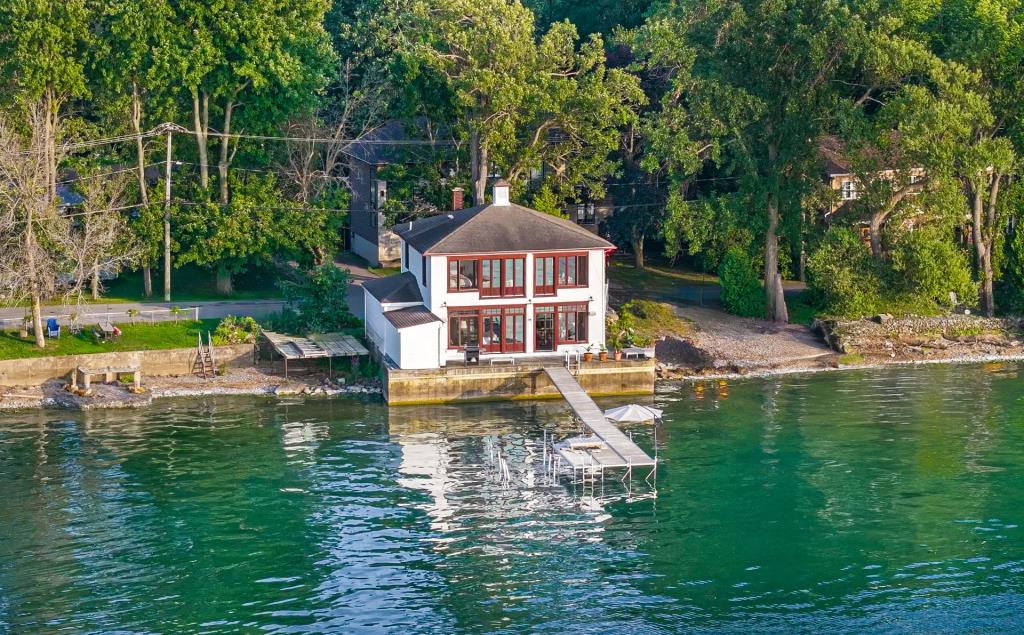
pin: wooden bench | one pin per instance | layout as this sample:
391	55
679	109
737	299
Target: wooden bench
109	373
502	359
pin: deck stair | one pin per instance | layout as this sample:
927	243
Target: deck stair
620	451
204	365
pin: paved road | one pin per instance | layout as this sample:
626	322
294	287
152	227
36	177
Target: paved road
12	316
118	311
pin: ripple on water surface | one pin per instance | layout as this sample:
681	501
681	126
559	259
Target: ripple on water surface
887	501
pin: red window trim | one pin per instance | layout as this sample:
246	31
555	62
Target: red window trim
554	305
555	255
503	291
478	309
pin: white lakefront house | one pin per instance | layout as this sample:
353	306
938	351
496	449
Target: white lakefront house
499	278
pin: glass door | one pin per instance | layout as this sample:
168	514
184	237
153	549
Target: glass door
544	329
490	341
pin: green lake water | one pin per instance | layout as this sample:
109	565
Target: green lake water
878	501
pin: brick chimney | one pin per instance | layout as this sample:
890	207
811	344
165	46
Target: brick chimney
457	198
501	188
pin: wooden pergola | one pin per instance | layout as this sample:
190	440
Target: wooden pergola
316	346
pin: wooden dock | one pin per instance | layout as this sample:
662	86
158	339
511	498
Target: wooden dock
620	450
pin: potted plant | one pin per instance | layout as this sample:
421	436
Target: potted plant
132	314
603	353
176	311
615	342
588	355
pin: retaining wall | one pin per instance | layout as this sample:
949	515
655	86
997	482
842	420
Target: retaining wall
484	383
175	361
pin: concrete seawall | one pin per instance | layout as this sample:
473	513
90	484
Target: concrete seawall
33	371
486	383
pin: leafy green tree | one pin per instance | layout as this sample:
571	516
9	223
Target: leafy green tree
525	103
131	91
262	60
42	61
321	300
764	88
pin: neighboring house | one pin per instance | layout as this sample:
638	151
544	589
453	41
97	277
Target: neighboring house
502	278
840	177
590	213
371	238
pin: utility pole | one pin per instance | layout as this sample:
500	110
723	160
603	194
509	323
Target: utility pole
167	221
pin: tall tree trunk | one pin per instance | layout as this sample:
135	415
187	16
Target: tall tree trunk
774	296
988	233
478	167
223	281
50	107
875	230
33	277
201	121
140	161
638	251
775	299
94	283
977	208
225	153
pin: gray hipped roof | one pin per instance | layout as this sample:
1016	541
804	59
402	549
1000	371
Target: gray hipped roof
398	288
496	229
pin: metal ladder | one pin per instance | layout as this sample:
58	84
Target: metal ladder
204	365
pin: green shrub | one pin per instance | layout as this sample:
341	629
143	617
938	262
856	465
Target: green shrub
842	276
236	330
319	302
926	267
742	293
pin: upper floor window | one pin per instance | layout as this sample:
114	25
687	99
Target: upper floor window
572	271
848	190
462	274
585	213
491	276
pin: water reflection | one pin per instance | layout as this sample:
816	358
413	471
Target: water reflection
844	501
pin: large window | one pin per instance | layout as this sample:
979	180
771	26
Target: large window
494	329
493	277
572	323
572	271
560	324
544	275
849	190
463	329
462	274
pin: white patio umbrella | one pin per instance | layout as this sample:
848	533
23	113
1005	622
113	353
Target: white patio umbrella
633	413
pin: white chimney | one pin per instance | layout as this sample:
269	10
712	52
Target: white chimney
501	192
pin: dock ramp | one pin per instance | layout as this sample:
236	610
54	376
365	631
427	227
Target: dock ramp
619	451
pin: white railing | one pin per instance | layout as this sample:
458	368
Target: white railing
113	317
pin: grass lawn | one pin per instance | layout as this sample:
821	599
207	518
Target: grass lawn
134	337
384	271
191	283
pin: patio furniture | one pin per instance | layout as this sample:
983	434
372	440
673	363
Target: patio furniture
105	331
52	328
638	352
502	359
472	355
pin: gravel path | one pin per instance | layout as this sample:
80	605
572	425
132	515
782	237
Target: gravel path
750	343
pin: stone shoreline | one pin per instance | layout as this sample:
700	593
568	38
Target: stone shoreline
237	382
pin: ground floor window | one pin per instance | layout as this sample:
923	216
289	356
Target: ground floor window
493	329
572	323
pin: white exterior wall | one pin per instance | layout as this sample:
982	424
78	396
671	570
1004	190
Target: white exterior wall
421	346
426	346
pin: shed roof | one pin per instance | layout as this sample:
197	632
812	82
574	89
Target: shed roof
496	229
410	316
400	287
